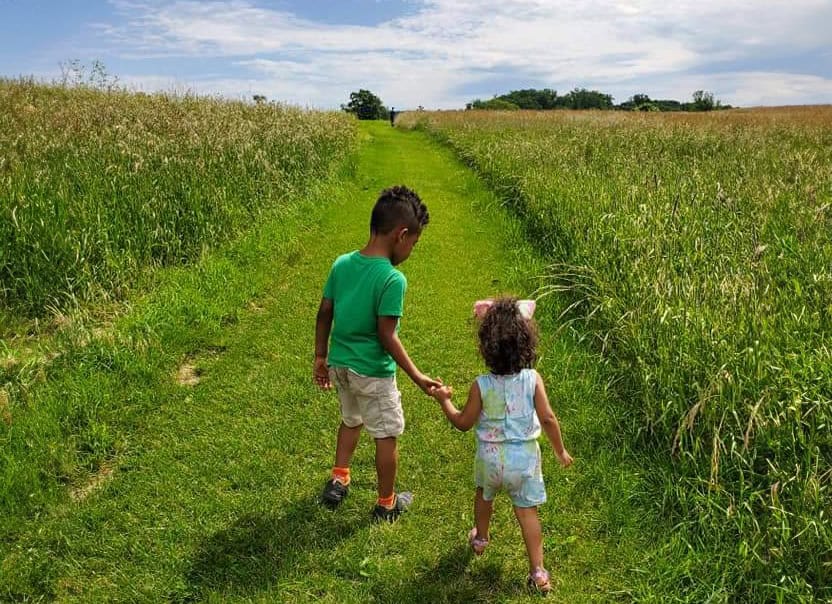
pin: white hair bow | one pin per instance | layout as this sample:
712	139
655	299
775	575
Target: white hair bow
526	308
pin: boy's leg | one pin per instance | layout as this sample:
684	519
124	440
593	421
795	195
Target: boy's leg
387	460
532	535
381	409
337	487
482	514
389	504
345	446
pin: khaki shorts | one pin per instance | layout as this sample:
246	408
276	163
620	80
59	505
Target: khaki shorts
372	401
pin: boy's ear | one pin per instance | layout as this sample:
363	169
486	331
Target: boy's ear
402	232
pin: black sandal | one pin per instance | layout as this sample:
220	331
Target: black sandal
334	493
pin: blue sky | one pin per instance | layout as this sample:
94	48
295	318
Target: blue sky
435	53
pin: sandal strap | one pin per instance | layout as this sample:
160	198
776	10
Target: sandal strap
540	577
540	573
476	542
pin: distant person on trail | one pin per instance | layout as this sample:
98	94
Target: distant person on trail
357	346
392	116
507	408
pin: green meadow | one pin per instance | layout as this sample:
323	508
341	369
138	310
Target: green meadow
694	253
98	186
161	262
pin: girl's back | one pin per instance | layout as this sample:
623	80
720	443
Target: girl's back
508	413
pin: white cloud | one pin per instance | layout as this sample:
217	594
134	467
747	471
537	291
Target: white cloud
436	55
761	88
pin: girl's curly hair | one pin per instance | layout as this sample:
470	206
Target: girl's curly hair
508	341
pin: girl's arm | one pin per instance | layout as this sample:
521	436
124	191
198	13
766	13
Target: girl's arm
549	422
462	420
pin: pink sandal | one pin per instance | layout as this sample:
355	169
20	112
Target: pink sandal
539	580
477	544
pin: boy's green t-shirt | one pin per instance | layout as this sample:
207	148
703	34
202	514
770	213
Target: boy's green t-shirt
362	289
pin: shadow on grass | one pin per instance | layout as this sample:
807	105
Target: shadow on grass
257	549
450	580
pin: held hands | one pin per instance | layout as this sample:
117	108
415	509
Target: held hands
441	393
320	373
427	384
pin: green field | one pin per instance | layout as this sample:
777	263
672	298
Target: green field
161	437
97	186
695	254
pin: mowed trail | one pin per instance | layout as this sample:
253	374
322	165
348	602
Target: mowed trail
215	499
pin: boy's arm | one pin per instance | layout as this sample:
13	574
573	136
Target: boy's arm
462	420
390	340
323	325
549	422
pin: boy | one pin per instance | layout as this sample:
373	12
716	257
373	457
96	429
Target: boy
364	296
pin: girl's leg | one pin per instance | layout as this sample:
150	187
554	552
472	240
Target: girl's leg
532	535
482	514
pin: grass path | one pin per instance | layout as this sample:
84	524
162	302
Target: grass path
214	496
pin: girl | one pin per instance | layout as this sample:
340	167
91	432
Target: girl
508	406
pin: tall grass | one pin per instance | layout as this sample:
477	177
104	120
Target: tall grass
696	250
96	188
97	185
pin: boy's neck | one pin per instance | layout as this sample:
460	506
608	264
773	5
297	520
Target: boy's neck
379	246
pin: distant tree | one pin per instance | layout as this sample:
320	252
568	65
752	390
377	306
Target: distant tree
495	104
703	101
581	98
366	106
531	98
639	99
259	99
668	105
639	102
642	102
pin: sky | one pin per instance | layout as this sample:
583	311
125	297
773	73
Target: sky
439	54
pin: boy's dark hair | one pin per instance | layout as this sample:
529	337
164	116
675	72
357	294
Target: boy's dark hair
395	206
508	341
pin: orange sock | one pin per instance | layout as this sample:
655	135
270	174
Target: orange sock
387	502
342	475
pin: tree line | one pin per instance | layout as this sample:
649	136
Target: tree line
581	98
367	106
